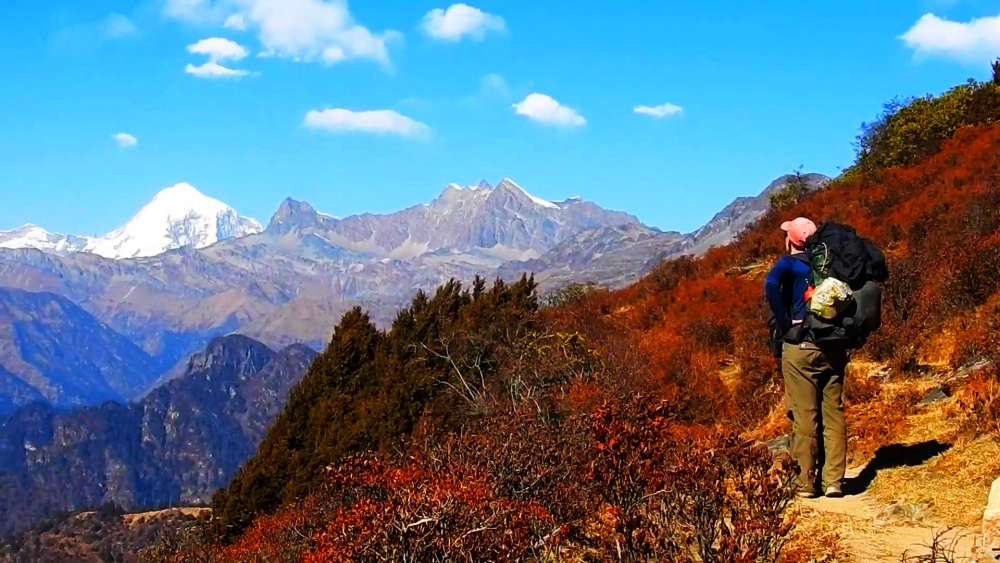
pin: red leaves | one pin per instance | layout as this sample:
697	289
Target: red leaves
371	509
523	486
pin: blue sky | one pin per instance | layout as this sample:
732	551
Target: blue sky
541	91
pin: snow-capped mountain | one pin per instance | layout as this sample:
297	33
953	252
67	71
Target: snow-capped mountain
503	222
33	236
178	216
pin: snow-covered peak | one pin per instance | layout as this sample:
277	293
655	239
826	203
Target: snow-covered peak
454	190
25	230
481	186
33	236
510	184
183	194
177	216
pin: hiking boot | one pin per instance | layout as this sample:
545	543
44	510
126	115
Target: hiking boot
834	491
806	493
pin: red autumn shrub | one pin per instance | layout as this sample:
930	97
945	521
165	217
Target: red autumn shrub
622	482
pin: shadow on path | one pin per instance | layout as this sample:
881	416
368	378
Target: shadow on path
896	455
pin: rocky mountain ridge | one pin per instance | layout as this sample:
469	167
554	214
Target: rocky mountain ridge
177	445
618	256
177	216
293	280
52	349
503	221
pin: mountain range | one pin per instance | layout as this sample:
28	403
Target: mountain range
65	355
178	216
291	281
177	445
103	398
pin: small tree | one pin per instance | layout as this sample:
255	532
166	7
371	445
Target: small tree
569	294
796	188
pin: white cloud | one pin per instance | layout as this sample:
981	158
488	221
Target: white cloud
195	11
977	39
237	22
88	36
219	49
303	30
125	140
214	70
659	112
461	20
382	122
494	85
117	26
334	55
544	109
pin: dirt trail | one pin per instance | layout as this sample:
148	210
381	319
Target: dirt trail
869	536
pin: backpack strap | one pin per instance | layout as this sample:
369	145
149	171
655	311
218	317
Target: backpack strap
802	257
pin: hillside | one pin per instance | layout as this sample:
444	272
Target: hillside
628	422
176	446
102	535
618	256
51	349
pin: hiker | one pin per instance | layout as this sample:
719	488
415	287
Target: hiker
813	373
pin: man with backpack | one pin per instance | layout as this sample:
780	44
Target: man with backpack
825	299
814	377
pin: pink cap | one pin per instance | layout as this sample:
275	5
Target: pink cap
799	230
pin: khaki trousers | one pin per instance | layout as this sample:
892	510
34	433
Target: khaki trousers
814	385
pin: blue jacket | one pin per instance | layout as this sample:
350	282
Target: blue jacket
785	287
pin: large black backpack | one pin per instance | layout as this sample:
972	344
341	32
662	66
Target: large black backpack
837	251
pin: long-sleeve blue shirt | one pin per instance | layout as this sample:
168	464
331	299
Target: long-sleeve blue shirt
785	287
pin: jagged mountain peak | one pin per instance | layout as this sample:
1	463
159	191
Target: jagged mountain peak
181	192
33	236
27	227
233	352
506	186
294	214
456	194
511	186
177	216
291	207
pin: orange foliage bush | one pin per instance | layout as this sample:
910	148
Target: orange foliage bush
424	511
981	403
622	481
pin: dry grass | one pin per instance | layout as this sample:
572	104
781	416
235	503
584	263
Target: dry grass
817	538
904	505
939	347
140	517
878	412
954	485
776	424
730	376
940	421
882	419
952	488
